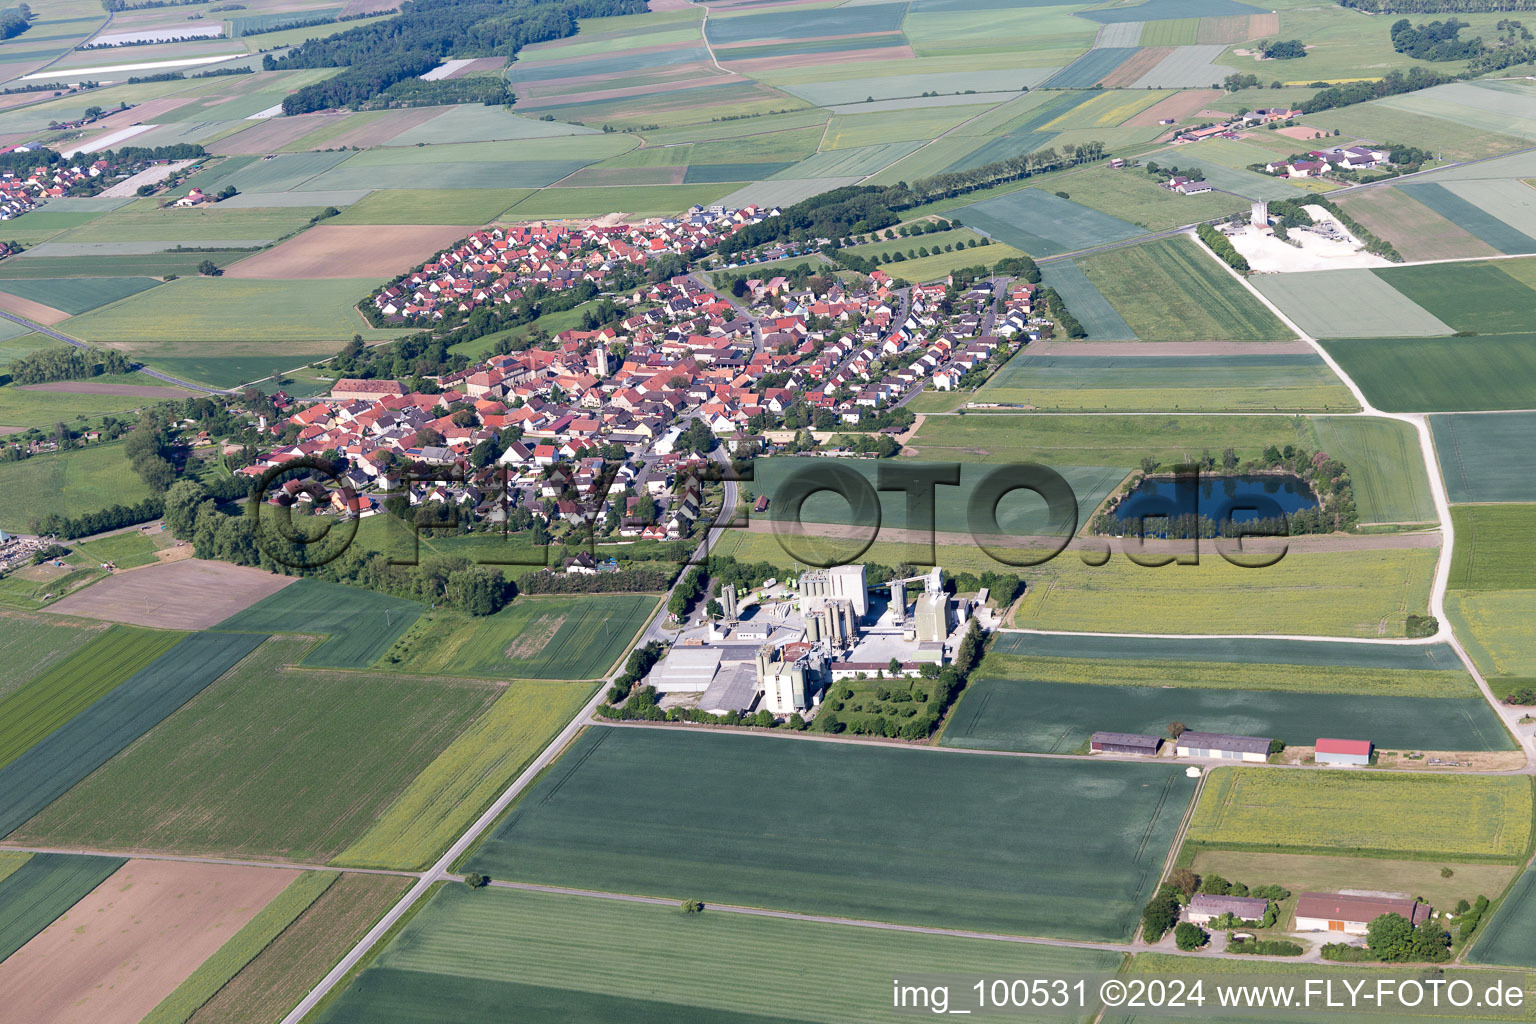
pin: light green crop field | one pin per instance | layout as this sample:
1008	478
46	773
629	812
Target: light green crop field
1476	817
456	787
431	206
1313	300
1139	199
470	955
1386	466
31	644
56	696
532	638
124	550
1301	872
277	763
294	962
191	226
1498	629
1340	593
1168	383
42	409
1172	290
579	826
1101	440
76	481
1493	545
1441	374
215	309
939	266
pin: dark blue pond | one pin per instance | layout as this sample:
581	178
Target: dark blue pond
1241	499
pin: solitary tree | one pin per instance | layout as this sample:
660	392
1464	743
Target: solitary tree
208	268
1176	729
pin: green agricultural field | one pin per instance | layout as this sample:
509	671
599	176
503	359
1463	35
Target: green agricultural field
1101	440
1043	224
281	763
1315	659
855	129
1493	547
532	638
156	264
70	753
1024	713
461	954
229	364
124	550
1344	593
191	226
431	206
1172	290
361	623
221	309
243	947
294	962
1441	374
77	481
1482	298
1498	629
719	835
78	294
1486	457
58	695
1314	873
1168	383
455	788
1452	139
32	644
1510	938
1139	199
48	884
1386	466
1315	298
1033	657
1439	817
43	409
36	586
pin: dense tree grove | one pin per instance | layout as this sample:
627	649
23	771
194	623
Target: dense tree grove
15	20
381	54
191	514
1436	41
66	364
1282	49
